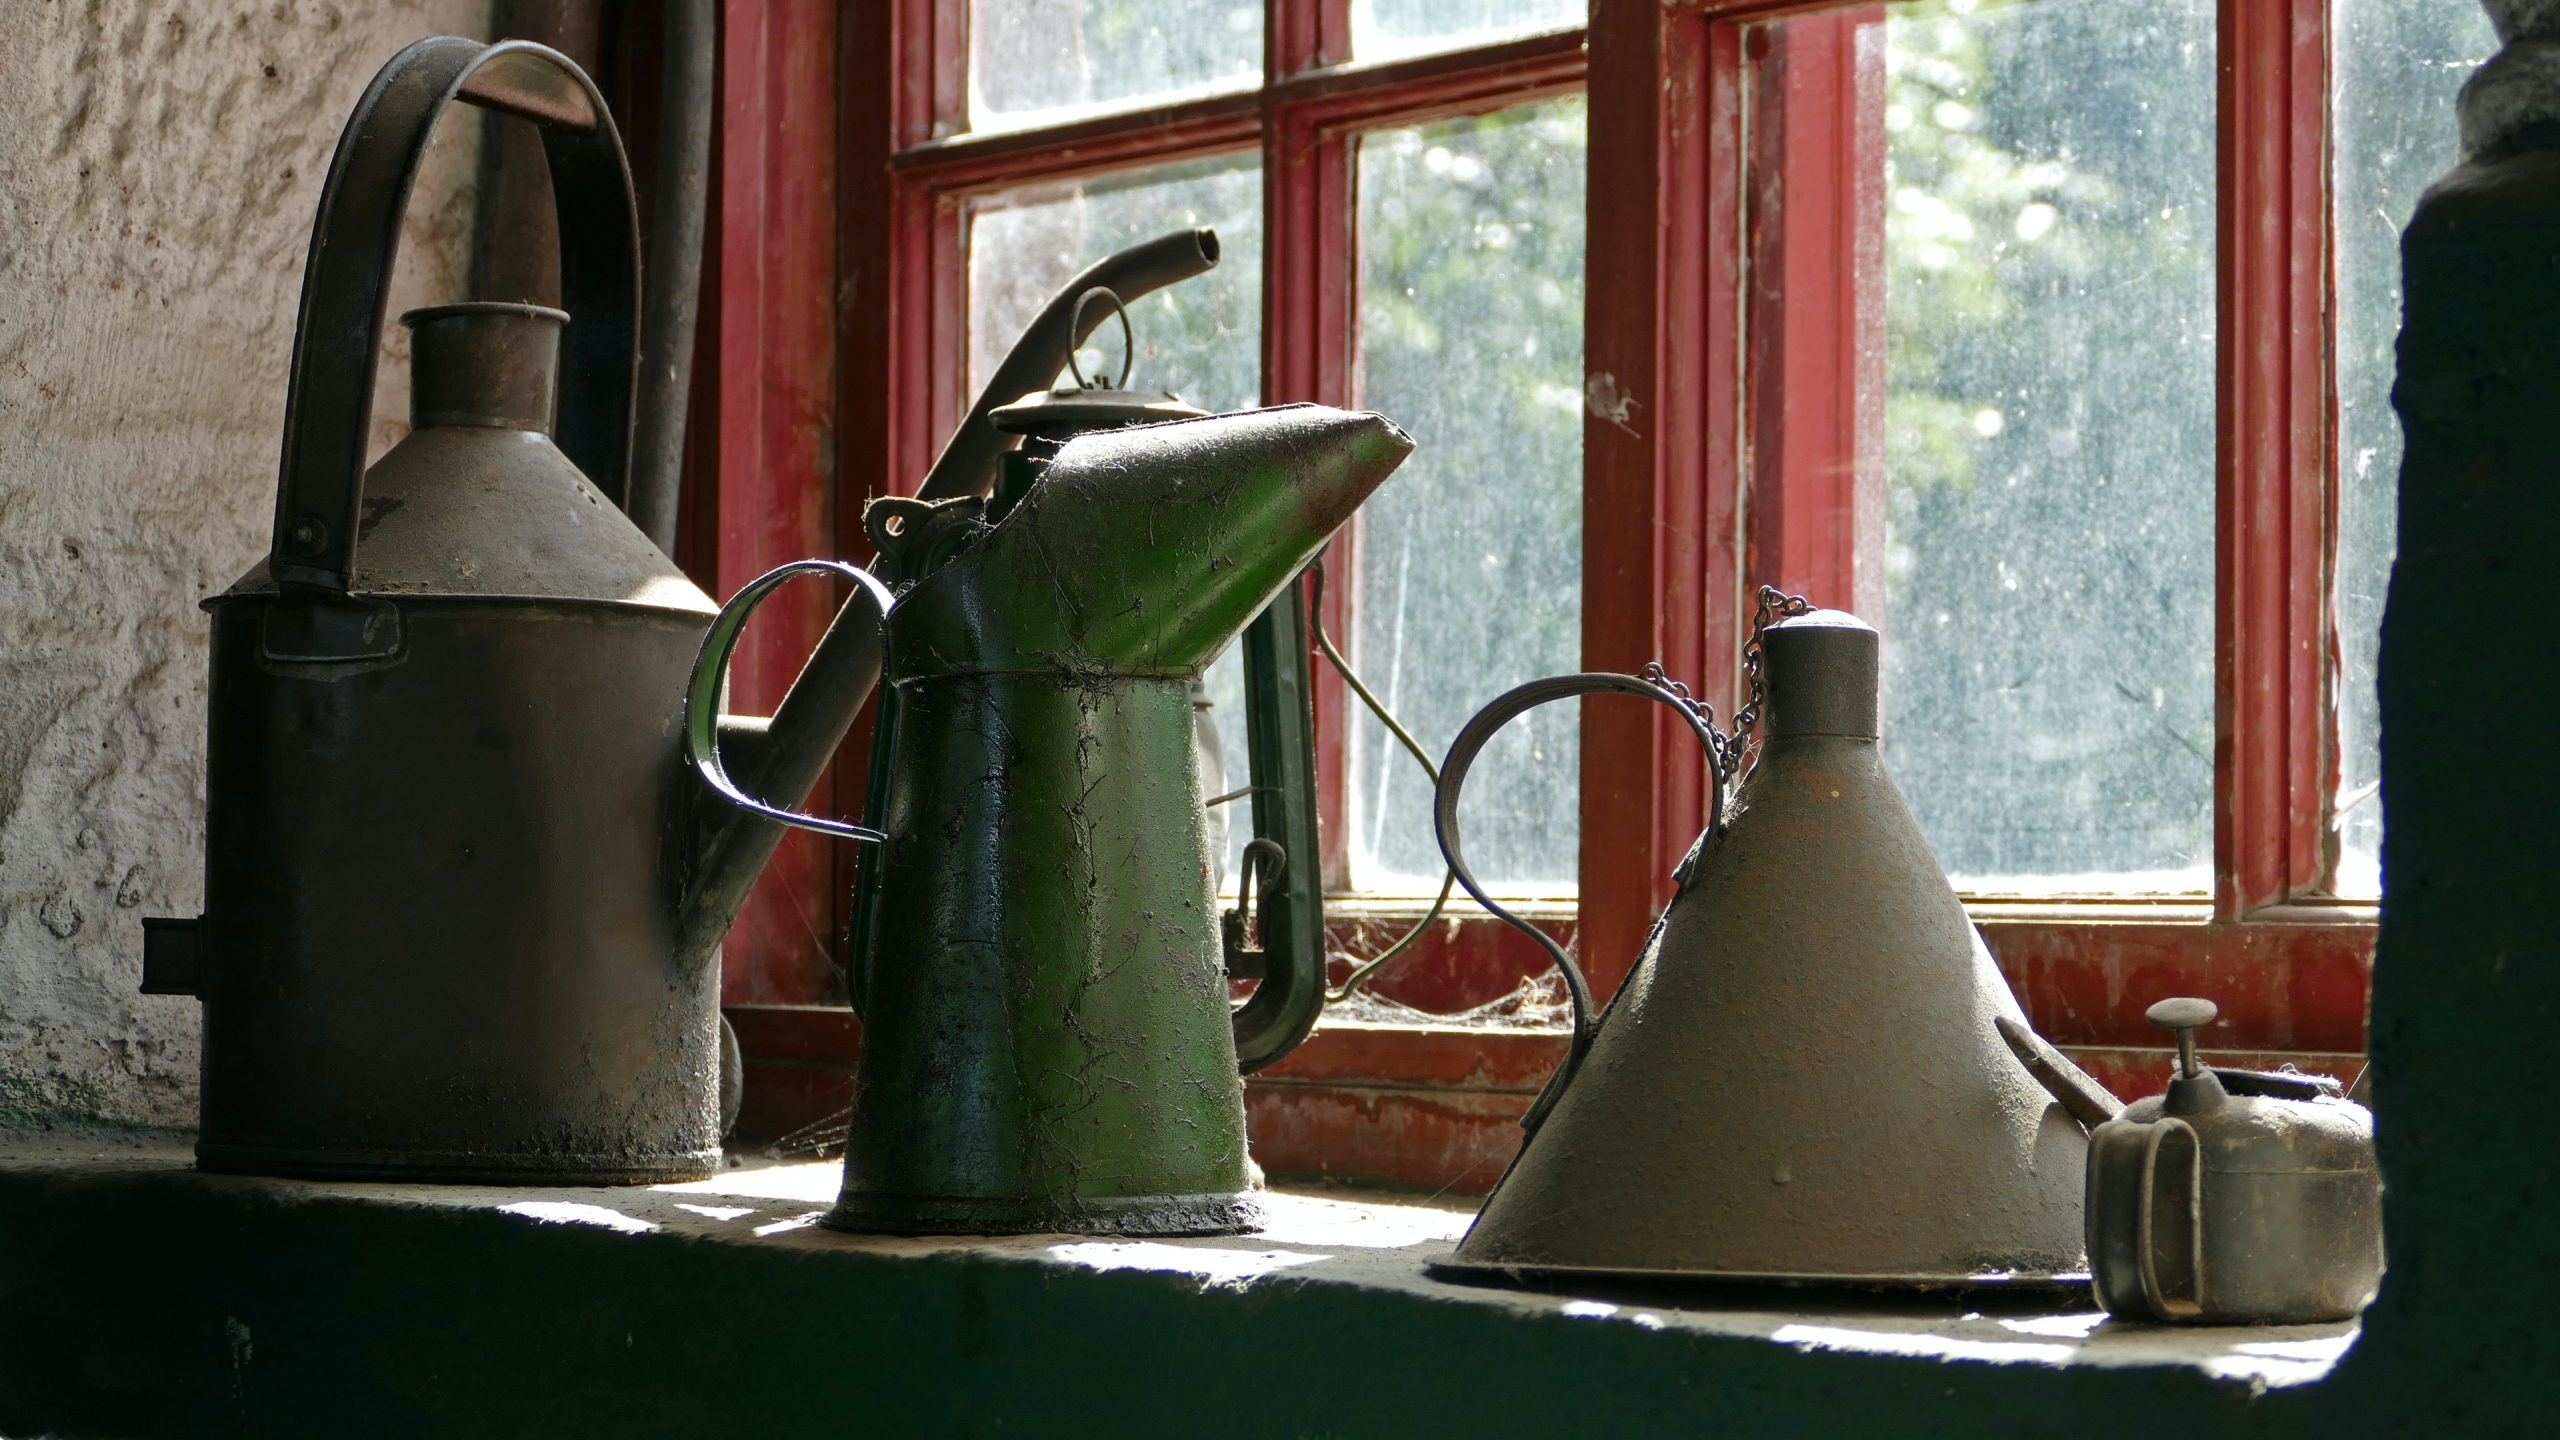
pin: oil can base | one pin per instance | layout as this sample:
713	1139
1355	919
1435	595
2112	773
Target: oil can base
463	1167
1212	1214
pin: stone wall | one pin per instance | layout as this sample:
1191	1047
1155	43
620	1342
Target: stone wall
159	166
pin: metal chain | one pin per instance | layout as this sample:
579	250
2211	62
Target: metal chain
1654	672
1775	604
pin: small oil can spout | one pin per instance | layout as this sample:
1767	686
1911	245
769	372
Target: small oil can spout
2078	1092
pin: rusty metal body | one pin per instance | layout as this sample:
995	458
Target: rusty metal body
1800	1080
2237	1197
454	921
452	972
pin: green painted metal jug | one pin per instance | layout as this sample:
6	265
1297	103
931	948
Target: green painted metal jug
1047	1041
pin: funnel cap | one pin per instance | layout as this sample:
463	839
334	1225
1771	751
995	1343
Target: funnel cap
1821	669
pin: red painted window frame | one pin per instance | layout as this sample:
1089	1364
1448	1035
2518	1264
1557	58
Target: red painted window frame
842	173
2290	965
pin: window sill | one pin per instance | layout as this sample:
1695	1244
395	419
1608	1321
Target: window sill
205	1298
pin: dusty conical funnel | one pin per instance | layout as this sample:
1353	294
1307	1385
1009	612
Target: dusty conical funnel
1801	1080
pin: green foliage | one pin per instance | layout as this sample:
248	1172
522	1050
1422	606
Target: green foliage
2048	448
1971	224
1471	298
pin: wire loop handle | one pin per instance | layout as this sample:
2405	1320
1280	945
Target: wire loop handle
1505	708
711	675
1128	340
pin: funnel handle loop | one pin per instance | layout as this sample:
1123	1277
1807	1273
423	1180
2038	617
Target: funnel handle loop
346	278
1505	708
711	676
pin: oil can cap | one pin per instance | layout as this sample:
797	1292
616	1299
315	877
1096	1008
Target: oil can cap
1821	669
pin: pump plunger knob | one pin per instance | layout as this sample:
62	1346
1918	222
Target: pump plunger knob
2183	1015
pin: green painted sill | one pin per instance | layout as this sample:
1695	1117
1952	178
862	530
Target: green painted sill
326	1248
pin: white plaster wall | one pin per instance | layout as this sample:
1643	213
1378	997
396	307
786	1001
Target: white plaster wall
159	164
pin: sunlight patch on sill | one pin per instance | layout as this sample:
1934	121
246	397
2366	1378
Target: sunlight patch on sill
2263	1359
2276	1364
1932	1347
1603	1310
1213	1267
575	1212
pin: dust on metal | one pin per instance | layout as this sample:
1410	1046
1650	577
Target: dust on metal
1799	1080
2239	1196
462	907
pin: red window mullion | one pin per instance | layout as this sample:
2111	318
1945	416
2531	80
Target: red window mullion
1662	399
932	72
1303	35
2274	761
1815	315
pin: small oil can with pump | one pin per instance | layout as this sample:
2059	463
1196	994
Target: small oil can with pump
2239	1196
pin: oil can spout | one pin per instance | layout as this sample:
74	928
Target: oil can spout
1146	550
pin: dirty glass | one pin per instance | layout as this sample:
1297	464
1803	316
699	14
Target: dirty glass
1392	29
2049	446
2396	68
1035	61
1467	578
1200	339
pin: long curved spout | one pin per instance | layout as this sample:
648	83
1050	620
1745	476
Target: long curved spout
967	465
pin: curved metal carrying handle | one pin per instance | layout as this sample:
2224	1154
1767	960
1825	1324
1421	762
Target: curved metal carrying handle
2174	1290
1505	708
711	676
346	279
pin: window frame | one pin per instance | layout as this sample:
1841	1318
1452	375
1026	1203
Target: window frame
1685	496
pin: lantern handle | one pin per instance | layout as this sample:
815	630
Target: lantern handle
1505	708
346	279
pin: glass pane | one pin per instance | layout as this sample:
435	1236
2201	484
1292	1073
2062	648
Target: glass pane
1200	339
1033	62
2397	66
1469	573
1392	29
2049	447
